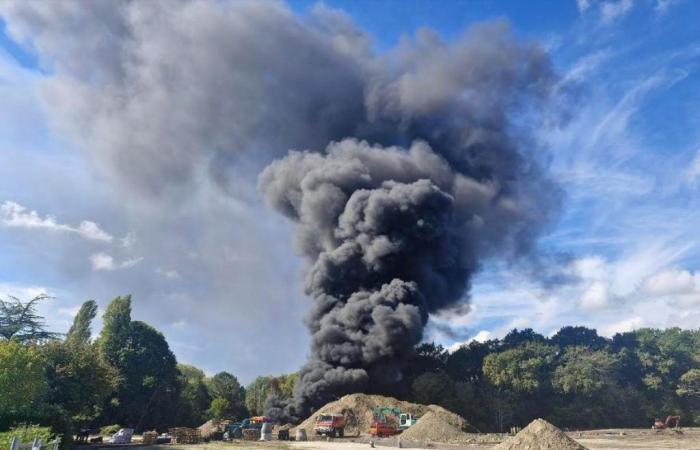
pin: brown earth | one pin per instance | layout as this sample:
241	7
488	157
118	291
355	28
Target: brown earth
359	407
213	428
433	428
540	435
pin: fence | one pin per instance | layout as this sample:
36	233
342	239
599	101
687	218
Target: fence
15	444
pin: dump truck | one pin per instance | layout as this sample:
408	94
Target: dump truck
332	425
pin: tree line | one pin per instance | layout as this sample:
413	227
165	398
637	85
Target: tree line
128	376
575	378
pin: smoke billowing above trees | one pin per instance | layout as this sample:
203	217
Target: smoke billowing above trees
410	166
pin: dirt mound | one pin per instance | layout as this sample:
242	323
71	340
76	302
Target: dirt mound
540	435
435	427
213	429
358	409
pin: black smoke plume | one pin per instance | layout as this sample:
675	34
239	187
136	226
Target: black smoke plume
416	163
395	219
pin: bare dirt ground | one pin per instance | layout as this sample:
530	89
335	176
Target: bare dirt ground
616	439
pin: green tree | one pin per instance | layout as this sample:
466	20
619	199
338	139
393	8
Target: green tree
20	322
22	382
79	382
578	336
256	393
583	372
79	332
194	396
433	388
689	384
286	384
523	369
225	386
220	408
148	392
115	329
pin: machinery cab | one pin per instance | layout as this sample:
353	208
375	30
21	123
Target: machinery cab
406	420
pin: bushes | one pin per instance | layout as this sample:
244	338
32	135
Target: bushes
109	430
25	433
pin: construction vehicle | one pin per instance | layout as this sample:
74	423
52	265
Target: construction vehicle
382	426
671	423
235	430
332	425
406	420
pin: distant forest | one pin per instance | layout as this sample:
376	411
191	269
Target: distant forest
128	376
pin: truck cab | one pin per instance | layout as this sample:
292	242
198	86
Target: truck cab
332	425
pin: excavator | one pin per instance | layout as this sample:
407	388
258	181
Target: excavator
381	426
671	423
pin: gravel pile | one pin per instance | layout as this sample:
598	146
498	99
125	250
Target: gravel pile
540	435
434	427
358	408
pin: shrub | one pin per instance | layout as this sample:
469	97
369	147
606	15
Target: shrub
109	430
25	433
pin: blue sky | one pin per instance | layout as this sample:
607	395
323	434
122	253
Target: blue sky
627	159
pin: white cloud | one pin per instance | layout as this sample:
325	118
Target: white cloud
170	274
21	291
103	261
16	215
693	172
597	296
610	11
623	326
678	285
583	5
662	6
481	336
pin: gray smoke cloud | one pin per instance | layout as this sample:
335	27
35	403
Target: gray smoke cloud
393	234
414	164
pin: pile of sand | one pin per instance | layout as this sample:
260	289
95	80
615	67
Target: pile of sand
358	410
435	427
540	435
213	429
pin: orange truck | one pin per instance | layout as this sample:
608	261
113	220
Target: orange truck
332	425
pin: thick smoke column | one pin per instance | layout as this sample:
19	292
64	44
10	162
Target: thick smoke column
415	164
394	233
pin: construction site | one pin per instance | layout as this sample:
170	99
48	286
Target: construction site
369	421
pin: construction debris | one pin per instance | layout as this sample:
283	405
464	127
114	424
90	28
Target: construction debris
149	438
251	434
540	435
359	411
183	435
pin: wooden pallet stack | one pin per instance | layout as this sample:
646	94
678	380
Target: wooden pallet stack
149	438
251	435
183	435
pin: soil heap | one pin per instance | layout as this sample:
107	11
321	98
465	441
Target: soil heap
435	427
540	435
213	429
358	410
